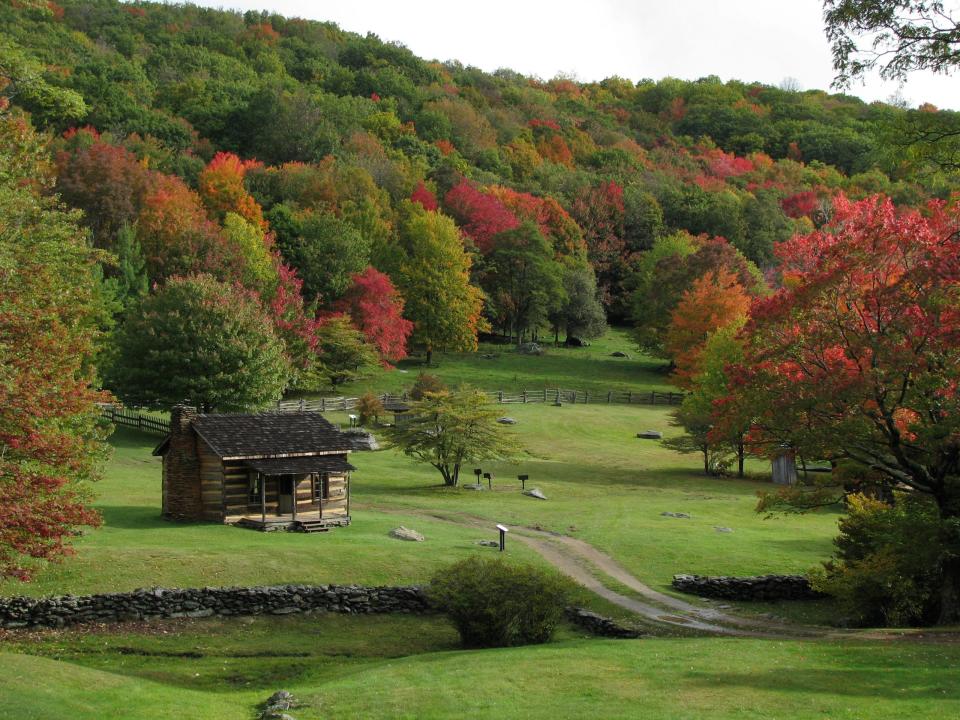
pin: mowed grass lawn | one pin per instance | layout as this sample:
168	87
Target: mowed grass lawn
411	667
608	487
604	486
500	367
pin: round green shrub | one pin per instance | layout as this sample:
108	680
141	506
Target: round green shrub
493	603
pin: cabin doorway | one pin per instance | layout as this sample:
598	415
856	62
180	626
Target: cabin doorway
285	492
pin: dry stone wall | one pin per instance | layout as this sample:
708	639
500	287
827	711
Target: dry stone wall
760	588
63	610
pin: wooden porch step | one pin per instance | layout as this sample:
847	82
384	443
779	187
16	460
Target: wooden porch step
311	526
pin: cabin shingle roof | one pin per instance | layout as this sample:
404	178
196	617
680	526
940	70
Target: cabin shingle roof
270	434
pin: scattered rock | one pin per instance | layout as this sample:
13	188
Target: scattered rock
722	529
650	435
490	356
572	528
473	486
675	514
530	348
619	354
281	700
402	533
487	543
535	493
506	421
573	341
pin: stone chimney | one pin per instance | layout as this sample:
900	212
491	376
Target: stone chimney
181	468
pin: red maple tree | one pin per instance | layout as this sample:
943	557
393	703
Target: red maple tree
481	216
376	308
857	356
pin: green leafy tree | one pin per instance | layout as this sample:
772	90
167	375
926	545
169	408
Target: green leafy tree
22	79
344	355
326	252
203	341
522	280
432	271
450	429
579	312
130	276
252	245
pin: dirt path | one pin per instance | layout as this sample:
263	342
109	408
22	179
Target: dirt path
589	567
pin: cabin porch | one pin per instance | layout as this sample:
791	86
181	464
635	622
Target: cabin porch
313	521
306	494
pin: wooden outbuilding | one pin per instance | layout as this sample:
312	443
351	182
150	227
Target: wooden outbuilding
278	470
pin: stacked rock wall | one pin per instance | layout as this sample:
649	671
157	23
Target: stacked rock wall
60	611
760	588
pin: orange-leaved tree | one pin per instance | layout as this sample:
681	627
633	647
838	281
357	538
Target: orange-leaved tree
714	301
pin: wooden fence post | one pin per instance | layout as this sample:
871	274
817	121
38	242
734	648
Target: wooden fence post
500	396
323	404
524	397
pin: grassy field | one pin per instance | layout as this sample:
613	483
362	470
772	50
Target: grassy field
409	667
604	486
499	367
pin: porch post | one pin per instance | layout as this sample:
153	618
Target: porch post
347	484
263	498
294	482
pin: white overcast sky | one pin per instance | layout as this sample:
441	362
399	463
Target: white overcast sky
753	40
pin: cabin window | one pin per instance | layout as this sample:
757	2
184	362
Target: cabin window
321	486
254	484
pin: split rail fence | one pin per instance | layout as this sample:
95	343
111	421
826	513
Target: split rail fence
557	396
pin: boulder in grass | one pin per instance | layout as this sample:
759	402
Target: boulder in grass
530	348
650	435
487	543
675	514
619	354
403	533
506	421
473	486
722	529
535	493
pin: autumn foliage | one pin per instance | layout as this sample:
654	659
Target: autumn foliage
221	188
481	216
423	196
50	440
714	301
376	308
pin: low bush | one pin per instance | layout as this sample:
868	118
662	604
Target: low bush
493	603
369	408
426	383
888	564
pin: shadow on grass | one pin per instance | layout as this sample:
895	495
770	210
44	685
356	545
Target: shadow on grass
874	678
141	517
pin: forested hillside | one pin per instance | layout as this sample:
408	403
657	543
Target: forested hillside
364	200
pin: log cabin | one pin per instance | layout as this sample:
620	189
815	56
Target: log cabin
268	471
